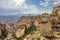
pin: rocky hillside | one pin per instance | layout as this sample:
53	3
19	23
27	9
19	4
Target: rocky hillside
39	27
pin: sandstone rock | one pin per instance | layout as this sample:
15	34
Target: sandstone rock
56	12
20	32
46	29
25	20
56	9
36	21
43	23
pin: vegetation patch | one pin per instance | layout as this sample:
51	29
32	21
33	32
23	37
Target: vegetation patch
30	30
58	25
37	38
49	37
58	33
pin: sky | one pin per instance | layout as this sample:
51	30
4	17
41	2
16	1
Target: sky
14	7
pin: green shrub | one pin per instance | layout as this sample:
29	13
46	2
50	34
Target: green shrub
30	30
58	29
58	33
58	25
38	38
49	37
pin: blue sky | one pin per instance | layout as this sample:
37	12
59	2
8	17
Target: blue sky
13	7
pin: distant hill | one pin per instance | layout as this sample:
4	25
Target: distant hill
12	18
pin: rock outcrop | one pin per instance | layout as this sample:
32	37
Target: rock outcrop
43	24
25	20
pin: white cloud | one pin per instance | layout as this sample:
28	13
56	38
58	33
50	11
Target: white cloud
30	10
19	2
48	2
45	4
33	10
56	3
21	7
11	3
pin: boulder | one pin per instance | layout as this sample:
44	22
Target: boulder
20	32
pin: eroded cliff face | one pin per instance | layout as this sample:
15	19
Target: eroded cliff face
56	9
25	20
56	12
43	23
